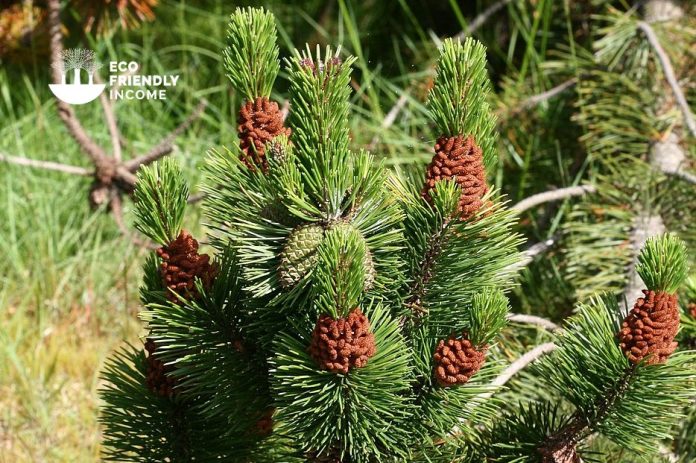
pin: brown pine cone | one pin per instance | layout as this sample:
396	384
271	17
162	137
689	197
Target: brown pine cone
650	327
339	345
157	378
180	266
259	121
457	360
692	309
264	425
459	158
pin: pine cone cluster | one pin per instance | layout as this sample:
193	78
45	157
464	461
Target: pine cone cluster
459	158
299	254
457	360
339	345
260	121
181	265
157	378
648	331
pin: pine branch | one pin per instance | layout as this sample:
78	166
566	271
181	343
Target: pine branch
663	264
458	101
111	123
65	111
160	201
645	226
558	446
251	55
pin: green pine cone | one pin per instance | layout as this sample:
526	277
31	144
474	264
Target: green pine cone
299	254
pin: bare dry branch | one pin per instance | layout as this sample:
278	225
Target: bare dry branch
519	364
165	146
481	19
48	165
552	195
552	92
65	111
686	176
196	197
533	320
515	367
669	75
111	123
389	119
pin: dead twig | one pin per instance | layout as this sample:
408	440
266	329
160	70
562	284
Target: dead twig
48	165
389	119
113	178
482	18
533	320
552	195
166	145
669	75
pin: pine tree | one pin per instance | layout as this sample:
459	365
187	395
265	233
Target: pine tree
353	314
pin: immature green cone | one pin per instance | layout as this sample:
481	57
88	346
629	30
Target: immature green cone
648	331
260	121
299	254
459	158
181	264
342	344
457	360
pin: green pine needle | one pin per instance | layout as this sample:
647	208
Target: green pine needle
488	312
160	197
339	276
662	263
458	101
251	55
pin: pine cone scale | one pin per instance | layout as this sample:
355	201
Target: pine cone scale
259	122
460	159
339	345
648	331
457	360
181	265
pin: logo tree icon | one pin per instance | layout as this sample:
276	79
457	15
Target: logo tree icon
76	59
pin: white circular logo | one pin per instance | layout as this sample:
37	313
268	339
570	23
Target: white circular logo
79	61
